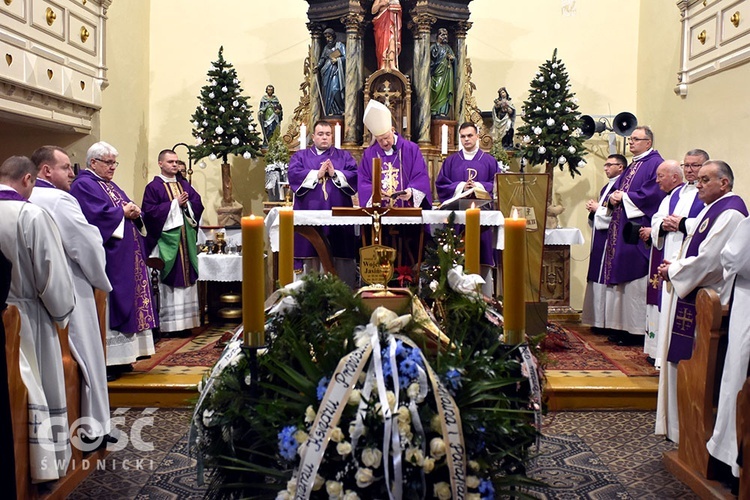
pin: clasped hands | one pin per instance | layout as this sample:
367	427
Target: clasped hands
131	210
326	169
592	205
671	223
663	270
615	198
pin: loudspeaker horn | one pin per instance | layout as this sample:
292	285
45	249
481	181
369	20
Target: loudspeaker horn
624	123
588	127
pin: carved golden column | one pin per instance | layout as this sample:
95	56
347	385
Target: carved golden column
420	25
316	33
355	77
460	30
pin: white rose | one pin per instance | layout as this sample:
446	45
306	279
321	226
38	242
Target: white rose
472	482
364	477
344	448
435	423
309	415
319	482
403	414
437	448
371	457
334	488
337	435
473	465
351	495
443	490
415	456
413	391
284	495
355	397
391	397
428	464
473	496
300	436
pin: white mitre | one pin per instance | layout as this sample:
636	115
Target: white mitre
377	118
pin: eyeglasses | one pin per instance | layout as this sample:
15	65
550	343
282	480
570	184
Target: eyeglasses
634	139
109	163
614	165
691	166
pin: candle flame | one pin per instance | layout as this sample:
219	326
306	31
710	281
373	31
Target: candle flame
514	214
472	205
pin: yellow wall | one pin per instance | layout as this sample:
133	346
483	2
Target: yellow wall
621	56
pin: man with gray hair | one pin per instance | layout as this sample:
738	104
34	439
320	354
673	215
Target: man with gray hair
131	316
42	289
84	250
697	265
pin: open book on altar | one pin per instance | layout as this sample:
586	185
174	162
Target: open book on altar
479	197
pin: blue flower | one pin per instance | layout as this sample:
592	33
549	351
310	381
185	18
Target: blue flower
322	387
287	444
486	490
453	380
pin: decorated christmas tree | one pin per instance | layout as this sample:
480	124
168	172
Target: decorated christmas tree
551	134
223	122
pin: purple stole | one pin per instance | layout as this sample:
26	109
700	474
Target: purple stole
11	195
683	326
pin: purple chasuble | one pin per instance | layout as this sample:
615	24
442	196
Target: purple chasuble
624	262
685	315
157	201
598	243
325	195
456	170
130	301
405	168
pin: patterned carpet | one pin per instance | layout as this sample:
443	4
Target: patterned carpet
597	455
575	347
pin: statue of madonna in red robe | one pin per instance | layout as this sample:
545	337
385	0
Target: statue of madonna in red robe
387	30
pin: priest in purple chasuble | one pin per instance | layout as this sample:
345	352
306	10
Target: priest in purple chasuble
472	168
323	177
84	252
172	210
130	307
635	199
404	179
698	265
41	287
599	218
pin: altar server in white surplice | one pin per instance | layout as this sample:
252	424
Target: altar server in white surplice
668	229
736	261
698	265
42	289
85	253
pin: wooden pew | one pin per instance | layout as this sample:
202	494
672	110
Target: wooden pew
698	382
77	472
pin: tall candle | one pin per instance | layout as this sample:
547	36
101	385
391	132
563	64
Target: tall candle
444	139
286	246
471	243
376	179
337	136
302	136
253	281
514	283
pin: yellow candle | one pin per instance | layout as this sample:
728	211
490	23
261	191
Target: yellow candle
286	246
471	254
253	281
514	284
376	179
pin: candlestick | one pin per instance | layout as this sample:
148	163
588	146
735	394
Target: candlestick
376	180
471	241
444	139
286	246
302	136
253	281
514	283
337	136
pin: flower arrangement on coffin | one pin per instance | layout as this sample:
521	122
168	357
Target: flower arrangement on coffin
350	405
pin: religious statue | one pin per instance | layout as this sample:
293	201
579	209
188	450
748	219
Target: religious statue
442	71
270	114
386	27
332	75
503	119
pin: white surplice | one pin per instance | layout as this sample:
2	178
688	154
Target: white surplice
670	243
595	296
686	274
85	253
736	261
42	289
